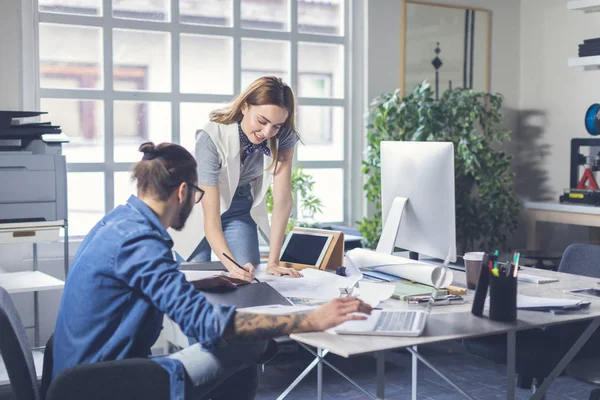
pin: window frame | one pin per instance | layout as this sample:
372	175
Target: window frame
108	95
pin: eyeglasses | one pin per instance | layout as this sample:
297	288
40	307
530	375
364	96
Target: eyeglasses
199	193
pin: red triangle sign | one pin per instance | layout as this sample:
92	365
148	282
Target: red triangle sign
587	182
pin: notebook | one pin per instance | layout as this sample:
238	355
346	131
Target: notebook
534	278
406	288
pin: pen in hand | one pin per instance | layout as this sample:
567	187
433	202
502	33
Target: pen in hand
238	265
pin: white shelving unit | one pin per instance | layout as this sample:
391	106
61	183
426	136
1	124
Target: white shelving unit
584	5
586	62
587	6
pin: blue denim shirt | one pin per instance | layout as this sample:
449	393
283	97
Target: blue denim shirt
122	281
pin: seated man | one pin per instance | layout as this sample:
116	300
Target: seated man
124	278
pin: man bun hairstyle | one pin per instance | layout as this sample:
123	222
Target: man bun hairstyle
163	168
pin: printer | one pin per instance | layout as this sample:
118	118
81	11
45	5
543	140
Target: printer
33	171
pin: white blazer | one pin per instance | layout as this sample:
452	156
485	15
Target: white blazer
227	141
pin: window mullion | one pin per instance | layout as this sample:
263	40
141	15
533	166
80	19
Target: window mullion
109	131
237	46
175	73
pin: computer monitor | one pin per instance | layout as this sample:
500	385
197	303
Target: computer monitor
417	198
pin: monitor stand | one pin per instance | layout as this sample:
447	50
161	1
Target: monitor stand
387	241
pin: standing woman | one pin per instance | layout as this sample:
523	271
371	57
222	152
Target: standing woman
246	145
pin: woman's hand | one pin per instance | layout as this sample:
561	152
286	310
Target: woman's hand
245	274
275	269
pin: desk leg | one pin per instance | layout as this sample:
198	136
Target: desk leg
415	363
36	315
511	342
320	374
66	248
533	234
589	331
380	357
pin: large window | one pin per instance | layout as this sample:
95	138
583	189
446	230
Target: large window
116	73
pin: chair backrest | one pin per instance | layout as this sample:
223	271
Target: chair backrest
47	367
16	351
581	259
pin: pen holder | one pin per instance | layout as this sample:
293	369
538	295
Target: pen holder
503	298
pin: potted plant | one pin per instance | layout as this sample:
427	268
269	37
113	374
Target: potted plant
310	205
487	206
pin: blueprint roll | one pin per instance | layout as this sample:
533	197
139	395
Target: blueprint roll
592	119
401	267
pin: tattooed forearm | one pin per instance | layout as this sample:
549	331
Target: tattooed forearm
250	327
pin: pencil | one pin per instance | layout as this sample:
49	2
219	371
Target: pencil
238	265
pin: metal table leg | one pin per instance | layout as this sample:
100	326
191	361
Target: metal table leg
415	363
380	360
589	331
511	341
36	316
320	374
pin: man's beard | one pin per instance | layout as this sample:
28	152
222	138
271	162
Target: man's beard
183	214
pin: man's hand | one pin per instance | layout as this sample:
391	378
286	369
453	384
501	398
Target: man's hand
247	326
335	312
246	274
276	270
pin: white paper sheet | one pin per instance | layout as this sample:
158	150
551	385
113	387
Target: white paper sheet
278	309
541	302
374	293
191	275
405	268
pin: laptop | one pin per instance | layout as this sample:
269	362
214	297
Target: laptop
394	323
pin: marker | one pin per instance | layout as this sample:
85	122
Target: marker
238	265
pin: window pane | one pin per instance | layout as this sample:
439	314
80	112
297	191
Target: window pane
329	188
80	7
124	187
273	15
206	12
193	117
322	17
151	10
202	74
76	63
139	122
83	122
265	57
142	60
86	201
322	132
320	70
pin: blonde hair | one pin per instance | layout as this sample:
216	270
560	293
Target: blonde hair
267	90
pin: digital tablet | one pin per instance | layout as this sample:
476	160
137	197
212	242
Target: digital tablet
305	248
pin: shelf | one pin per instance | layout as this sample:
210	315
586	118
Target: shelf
587	62
29	281
584	5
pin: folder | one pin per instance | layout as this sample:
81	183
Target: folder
251	295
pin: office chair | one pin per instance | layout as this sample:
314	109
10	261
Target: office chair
138	378
533	361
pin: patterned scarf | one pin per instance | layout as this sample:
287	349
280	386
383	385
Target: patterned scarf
248	147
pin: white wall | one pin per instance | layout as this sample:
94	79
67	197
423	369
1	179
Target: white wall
385	36
557	96
10	54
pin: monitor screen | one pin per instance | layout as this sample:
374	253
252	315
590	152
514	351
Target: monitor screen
305	248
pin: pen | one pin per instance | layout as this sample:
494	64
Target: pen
238	265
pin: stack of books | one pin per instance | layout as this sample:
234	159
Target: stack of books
589	48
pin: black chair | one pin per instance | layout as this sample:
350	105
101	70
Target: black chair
533	360
138	378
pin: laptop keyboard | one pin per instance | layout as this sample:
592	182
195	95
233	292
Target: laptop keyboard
395	321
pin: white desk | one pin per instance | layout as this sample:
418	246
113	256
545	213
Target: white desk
558	213
456	322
